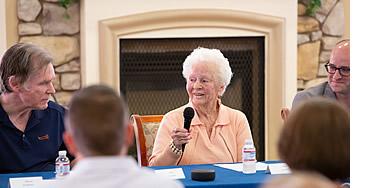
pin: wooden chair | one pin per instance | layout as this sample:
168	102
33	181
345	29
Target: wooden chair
145	129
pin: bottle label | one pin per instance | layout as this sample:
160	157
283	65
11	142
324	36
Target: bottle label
62	169
249	155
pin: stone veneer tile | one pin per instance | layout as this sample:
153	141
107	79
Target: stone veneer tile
331	26
28	10
29	29
63	48
70	81
54	21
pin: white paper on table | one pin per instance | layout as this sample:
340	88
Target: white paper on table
238	166
261	166
279	168
234	166
48	182
173	173
28	182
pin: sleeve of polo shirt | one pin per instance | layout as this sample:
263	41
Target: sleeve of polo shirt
162	155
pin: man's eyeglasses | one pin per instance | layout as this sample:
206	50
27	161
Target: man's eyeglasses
331	68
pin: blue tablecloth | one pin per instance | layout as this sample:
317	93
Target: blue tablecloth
223	177
4	178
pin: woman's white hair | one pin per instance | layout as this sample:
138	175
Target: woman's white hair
223	71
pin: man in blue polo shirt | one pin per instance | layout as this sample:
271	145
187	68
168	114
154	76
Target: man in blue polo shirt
31	126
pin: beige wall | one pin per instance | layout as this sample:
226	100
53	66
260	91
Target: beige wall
8	24
11	23
2	27
346	5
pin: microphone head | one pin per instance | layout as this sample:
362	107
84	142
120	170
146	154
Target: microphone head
189	113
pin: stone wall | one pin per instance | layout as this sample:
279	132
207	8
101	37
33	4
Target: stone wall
47	24
317	35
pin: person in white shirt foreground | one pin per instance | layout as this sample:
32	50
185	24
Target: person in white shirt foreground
98	133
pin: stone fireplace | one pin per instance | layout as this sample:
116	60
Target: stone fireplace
104	26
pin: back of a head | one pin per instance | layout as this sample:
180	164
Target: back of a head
21	60
97	119
316	137
300	180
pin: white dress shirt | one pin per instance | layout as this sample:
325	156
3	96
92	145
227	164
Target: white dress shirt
112	172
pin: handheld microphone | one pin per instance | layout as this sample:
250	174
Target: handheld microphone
188	116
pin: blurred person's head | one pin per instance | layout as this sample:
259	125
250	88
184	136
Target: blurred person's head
26	70
338	68
207	73
316	137
300	180
97	123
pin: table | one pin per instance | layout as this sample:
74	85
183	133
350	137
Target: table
4	178
223	177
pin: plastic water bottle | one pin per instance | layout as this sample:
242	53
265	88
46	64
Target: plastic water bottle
62	164
249	157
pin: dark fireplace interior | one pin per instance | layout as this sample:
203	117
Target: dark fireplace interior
152	82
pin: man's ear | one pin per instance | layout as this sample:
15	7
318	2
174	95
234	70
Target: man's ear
128	139
70	144
129	136
13	83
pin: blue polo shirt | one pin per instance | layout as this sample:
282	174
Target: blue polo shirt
35	149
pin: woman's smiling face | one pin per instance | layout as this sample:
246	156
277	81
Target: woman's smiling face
202	85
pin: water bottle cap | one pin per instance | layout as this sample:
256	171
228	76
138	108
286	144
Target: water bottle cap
63	152
248	141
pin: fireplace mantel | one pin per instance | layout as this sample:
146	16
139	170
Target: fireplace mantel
101	64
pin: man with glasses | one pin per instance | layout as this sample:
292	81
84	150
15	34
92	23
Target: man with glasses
338	85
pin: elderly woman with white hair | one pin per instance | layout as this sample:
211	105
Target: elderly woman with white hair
217	133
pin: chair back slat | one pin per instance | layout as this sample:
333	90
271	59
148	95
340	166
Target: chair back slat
145	129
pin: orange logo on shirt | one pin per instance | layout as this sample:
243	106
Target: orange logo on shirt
44	137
